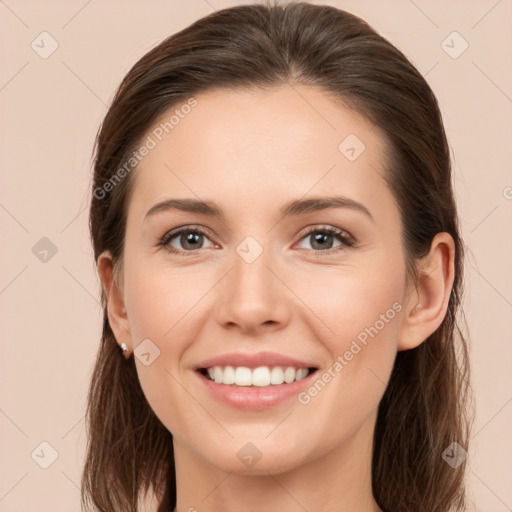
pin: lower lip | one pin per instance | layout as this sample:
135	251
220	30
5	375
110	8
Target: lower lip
254	397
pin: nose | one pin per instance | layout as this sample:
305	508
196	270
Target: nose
253	296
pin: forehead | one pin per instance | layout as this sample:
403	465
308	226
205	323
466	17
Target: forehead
258	148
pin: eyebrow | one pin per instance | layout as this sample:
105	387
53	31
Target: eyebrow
293	208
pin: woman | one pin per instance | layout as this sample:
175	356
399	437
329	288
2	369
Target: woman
263	371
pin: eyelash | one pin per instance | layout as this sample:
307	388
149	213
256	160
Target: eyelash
342	236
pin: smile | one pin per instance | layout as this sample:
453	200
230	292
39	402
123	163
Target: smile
262	376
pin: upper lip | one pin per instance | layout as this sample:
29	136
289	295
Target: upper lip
253	360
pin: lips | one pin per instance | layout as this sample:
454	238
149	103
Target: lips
254	381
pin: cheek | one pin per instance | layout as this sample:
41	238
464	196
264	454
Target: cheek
357	315
162	302
368	310
346	304
165	308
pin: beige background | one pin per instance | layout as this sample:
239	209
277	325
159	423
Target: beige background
50	111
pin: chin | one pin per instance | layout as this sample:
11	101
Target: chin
248	458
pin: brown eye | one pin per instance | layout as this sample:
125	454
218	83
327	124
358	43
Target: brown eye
323	239
187	239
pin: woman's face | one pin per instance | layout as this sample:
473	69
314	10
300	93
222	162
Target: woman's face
257	289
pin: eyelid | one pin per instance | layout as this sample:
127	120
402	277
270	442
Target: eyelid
346	239
329	229
169	235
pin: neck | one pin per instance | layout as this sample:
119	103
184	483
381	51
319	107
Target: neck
337	481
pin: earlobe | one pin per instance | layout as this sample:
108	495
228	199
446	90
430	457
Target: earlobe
427	303
116	309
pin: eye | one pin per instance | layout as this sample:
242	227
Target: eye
191	238
322	238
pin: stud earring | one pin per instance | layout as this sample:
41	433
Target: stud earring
124	348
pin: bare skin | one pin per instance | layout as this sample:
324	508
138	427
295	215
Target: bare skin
251	153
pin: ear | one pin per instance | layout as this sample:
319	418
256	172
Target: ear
117	315
426	305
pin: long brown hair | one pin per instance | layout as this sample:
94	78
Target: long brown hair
425	406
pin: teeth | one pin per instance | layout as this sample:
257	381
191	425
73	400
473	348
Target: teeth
217	374
262	376
243	376
228	376
289	375
276	375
